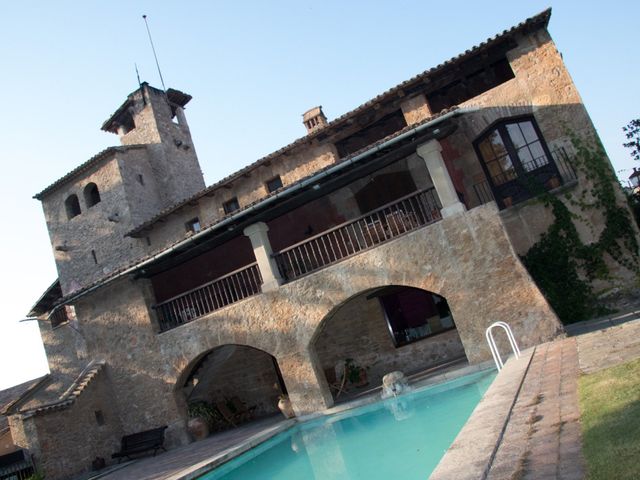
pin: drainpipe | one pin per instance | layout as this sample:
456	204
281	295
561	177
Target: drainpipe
285	193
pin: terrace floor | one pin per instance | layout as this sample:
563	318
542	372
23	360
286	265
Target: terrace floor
527	425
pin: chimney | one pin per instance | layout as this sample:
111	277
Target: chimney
314	119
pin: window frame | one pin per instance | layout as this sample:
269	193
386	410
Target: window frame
272	179
430	334
515	183
190	225
225	206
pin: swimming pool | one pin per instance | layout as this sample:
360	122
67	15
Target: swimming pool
397	438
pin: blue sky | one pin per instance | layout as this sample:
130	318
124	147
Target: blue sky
253	68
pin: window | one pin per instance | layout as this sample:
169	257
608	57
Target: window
516	160
91	195
413	314
274	184
72	206
94	256
231	205
193	225
140	179
99	417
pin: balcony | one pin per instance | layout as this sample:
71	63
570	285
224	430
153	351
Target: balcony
365	232
511	187
211	296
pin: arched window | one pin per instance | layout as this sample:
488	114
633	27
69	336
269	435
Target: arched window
91	195
72	205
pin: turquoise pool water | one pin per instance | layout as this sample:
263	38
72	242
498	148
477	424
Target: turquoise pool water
401	438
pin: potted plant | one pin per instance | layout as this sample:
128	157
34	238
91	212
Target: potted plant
356	374
284	404
202	417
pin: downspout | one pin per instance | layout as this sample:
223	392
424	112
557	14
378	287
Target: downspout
267	201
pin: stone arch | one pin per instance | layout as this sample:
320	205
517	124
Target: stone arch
382	329
236	377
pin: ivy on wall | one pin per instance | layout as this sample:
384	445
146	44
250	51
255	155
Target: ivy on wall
560	263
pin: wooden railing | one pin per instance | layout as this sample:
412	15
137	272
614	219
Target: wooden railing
211	296
394	219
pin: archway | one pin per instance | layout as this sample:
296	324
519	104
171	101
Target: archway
382	330
232	384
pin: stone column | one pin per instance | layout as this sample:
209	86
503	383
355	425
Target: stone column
257	233
430	153
308	389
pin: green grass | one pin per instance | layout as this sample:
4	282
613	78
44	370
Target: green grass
610	406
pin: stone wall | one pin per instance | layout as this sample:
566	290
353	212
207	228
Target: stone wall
176	171
244	372
100	228
359	330
466	258
71	438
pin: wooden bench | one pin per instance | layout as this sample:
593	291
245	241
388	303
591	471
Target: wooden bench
141	442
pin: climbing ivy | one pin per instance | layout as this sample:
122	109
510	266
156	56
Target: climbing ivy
560	263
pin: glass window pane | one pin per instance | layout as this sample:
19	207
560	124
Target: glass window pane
486	151
505	162
538	153
516	135
494	169
526	159
528	131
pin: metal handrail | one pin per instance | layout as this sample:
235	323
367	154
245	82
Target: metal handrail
492	343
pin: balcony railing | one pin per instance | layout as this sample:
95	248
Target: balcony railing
562	161
218	293
388	222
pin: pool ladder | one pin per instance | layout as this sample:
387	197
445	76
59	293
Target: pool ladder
492	343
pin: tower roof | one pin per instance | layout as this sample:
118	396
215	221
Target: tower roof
175	98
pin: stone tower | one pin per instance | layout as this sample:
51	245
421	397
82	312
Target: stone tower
152	117
90	209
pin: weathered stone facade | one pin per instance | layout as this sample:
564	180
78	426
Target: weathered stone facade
170	308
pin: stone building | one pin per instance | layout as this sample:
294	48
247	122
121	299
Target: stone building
387	238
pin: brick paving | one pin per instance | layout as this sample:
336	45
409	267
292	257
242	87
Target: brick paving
542	439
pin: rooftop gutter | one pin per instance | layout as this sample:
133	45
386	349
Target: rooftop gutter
269	200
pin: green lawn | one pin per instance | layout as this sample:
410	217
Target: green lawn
610	406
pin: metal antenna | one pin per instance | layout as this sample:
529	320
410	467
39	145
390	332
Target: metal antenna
154	52
144	100
137	74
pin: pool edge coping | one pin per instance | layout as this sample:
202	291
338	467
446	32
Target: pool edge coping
471	454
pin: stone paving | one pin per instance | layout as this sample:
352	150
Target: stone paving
611	346
191	461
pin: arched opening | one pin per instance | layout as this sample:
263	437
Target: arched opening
383	330
72	206
231	385
91	195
